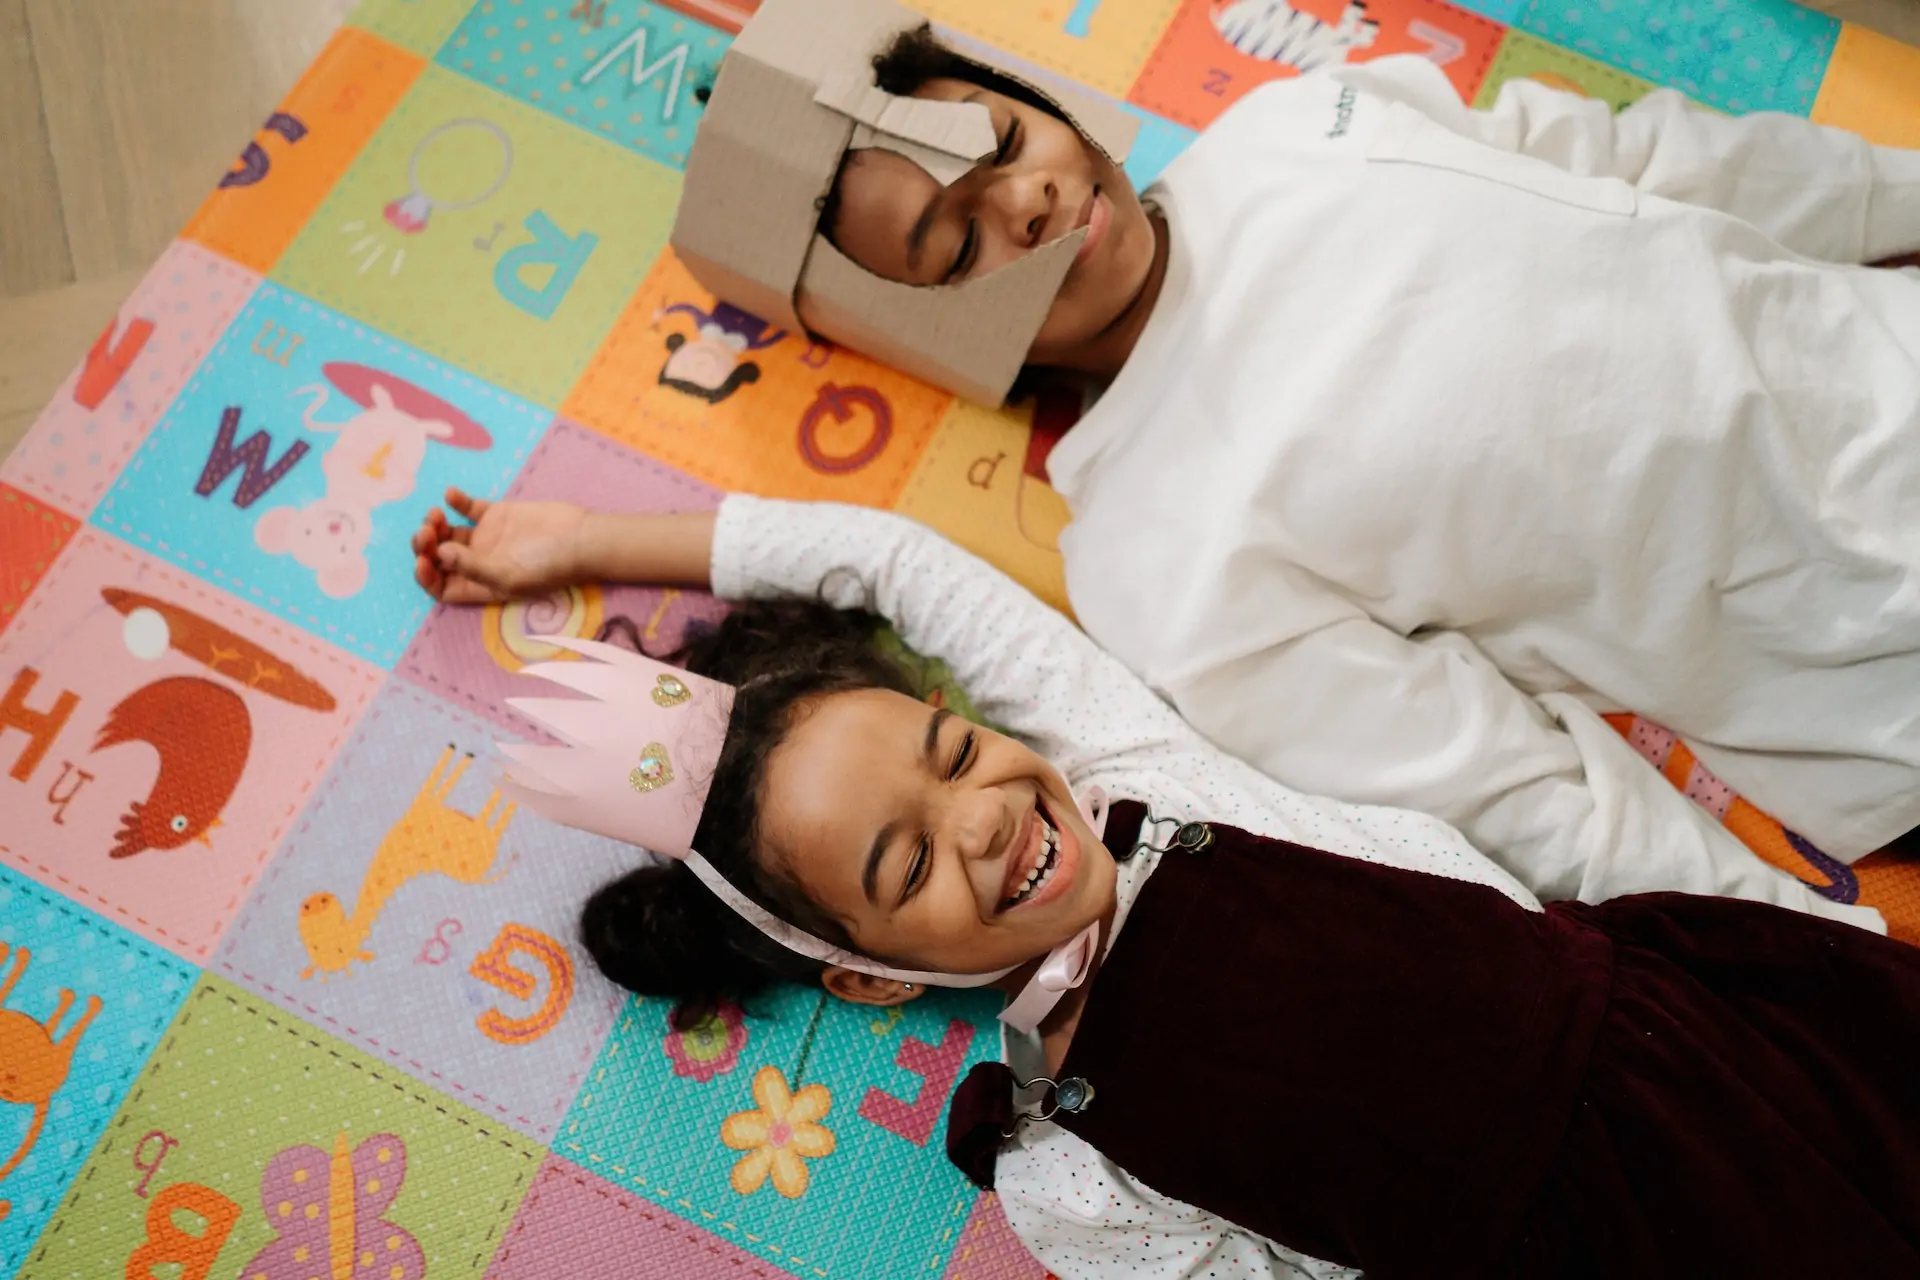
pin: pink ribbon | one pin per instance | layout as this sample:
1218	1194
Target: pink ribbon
1067	965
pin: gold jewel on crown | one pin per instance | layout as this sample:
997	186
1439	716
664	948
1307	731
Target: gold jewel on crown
655	770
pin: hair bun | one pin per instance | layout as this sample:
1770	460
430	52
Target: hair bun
657	931
649	930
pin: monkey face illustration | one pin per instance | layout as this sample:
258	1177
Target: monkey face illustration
708	366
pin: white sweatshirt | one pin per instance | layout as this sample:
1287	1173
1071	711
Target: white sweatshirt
1032	672
1452	428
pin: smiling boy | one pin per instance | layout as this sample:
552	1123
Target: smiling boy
1430	432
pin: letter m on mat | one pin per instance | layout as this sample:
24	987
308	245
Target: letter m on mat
257	476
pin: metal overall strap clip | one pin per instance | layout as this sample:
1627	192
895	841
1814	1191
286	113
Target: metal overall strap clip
1189	837
1072	1095
987	1110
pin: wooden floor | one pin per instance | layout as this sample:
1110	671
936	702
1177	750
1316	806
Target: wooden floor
118	116
116	119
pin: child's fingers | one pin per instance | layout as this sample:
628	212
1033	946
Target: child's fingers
428	577
467	591
457	560
461	535
433	528
467	505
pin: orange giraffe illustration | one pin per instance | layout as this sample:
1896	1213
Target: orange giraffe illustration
33	1063
430	839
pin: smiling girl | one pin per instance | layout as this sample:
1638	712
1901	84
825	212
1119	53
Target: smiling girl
1302	1037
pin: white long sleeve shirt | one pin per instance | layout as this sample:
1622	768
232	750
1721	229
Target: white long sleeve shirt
1031	671
1451	429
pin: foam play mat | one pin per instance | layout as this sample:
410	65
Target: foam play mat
287	990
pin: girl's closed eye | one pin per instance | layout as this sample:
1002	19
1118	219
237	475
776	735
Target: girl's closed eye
916	870
922	859
962	757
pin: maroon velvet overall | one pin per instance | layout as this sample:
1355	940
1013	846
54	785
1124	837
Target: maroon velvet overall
1414	1076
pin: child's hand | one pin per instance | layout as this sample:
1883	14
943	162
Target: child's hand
512	549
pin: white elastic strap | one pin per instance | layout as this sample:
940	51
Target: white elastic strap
803	943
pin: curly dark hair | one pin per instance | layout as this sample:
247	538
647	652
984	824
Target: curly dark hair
657	930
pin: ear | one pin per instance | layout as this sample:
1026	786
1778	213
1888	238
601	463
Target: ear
378	394
863	988
273	531
437	429
344	577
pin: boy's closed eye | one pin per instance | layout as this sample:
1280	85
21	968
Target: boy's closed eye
968	256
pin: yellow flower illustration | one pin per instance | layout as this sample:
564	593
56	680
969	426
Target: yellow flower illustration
778	1135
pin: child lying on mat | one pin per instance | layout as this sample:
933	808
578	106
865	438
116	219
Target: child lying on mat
1432	431
1330	1036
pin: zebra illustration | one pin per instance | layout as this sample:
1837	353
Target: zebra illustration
1277	32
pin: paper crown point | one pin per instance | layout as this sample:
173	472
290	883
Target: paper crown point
639	748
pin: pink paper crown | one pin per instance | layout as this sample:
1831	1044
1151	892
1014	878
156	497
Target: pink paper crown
642	746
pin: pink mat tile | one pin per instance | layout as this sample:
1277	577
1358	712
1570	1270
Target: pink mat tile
105	407
574	1225
125	683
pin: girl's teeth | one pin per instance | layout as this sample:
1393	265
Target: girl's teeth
1042	870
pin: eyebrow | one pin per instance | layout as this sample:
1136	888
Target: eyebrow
930	753
917	237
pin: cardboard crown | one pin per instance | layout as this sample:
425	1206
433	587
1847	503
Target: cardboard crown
796	92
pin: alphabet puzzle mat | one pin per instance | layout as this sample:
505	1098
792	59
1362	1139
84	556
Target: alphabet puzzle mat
287	990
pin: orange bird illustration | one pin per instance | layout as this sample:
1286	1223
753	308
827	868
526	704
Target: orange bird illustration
202	733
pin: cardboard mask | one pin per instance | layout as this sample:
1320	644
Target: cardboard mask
794	94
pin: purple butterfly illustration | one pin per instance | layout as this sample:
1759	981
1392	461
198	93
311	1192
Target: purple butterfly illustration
327	1210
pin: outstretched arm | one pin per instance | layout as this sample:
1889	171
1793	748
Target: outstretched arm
1024	665
1540	785
516	549
1820	191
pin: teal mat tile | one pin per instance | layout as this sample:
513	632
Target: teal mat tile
1740	55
